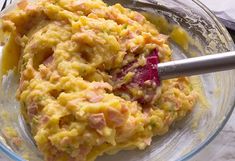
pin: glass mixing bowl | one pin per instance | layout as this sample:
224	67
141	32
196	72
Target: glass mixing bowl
186	137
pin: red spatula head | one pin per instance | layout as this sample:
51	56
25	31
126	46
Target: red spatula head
144	81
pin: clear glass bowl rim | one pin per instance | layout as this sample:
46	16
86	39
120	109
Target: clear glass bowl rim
189	155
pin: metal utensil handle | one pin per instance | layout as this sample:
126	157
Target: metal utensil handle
197	65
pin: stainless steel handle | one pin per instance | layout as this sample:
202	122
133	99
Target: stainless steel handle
197	65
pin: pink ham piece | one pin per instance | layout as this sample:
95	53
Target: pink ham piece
97	121
32	109
115	117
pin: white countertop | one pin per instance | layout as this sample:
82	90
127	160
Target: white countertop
222	148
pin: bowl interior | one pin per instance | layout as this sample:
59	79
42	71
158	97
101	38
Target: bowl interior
207	36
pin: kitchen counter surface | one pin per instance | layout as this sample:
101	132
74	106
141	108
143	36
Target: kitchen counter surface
222	148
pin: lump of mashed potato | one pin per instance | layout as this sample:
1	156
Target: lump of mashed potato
68	50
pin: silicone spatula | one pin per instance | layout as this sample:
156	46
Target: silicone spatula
148	77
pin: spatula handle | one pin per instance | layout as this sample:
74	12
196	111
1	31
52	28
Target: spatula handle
197	65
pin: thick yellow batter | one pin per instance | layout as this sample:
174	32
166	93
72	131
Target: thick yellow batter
67	49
